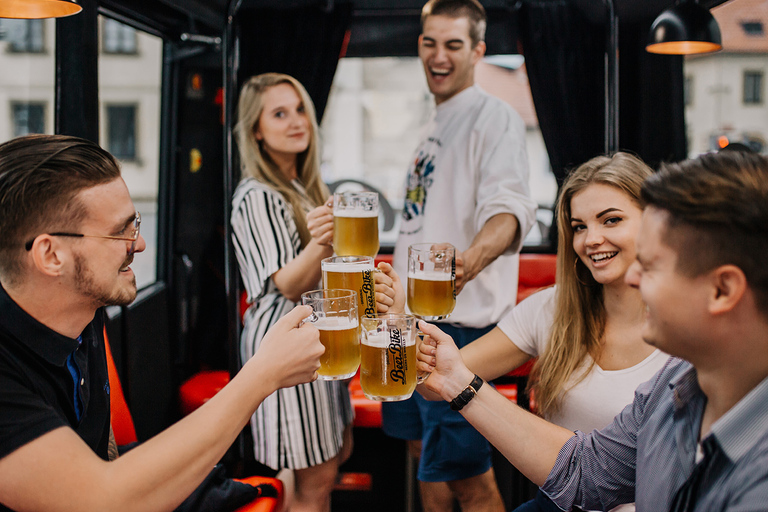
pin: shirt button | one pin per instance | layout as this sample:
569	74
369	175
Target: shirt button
82	382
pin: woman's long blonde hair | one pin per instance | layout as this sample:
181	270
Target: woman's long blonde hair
579	322
256	163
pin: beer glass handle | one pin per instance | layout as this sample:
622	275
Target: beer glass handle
421	376
311	319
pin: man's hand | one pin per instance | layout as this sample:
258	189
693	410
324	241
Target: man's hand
490	242
291	350
438	355
320	223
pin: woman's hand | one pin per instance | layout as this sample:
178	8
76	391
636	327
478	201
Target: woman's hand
320	223
390	295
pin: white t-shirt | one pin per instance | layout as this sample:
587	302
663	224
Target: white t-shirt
472	165
601	395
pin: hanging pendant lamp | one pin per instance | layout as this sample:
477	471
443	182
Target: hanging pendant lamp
685	29
32	9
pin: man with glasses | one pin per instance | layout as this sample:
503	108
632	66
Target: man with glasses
68	235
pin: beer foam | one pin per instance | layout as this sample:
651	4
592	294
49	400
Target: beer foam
359	214
430	275
335	323
351	267
381	339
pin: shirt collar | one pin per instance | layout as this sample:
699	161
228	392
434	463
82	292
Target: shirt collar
46	343
738	430
459	99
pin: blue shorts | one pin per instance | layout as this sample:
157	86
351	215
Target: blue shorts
451	448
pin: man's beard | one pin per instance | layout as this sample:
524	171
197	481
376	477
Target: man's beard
116	296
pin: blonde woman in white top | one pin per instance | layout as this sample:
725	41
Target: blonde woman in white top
585	332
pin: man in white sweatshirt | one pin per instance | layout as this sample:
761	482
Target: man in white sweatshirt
467	186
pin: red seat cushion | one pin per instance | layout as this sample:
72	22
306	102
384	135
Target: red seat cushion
536	271
199	388
265	504
367	412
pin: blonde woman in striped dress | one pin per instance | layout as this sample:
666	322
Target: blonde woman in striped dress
281	232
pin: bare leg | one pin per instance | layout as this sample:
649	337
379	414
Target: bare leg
315	484
289	487
436	497
479	493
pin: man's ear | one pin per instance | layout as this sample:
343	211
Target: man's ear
47	255
728	287
478	52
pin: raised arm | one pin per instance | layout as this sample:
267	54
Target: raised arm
530	443
303	273
59	472
495	237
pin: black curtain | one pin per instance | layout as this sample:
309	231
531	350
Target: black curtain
305	42
651	103
564	57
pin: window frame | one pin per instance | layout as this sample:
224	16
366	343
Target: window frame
754	95
14	104
12	48
120	50
108	109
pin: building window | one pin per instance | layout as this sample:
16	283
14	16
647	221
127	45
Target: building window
28	118
118	38
752	28
753	87
23	36
121	131
688	90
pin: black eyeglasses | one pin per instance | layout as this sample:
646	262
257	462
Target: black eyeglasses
134	236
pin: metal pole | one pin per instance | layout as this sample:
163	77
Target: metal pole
612	81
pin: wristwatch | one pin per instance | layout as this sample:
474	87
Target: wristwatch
468	394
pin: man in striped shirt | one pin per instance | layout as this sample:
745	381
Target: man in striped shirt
695	437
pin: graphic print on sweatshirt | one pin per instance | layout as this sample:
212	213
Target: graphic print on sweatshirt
419	180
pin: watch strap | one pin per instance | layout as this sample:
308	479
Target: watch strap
468	394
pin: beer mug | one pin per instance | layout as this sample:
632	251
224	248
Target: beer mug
356	223
431	290
388	357
334	313
352	273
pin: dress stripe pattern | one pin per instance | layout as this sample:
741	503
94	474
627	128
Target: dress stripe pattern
300	426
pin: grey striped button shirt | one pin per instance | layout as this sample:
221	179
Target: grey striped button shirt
649	451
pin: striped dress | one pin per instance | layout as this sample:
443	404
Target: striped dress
301	426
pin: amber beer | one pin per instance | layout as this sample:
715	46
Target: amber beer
388	357
352	273
431	295
334	313
355	233
341	340
356	223
431	288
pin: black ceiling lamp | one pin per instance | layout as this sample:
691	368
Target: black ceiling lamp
685	29
34	9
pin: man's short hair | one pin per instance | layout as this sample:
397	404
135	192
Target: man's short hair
40	175
718	215
470	9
